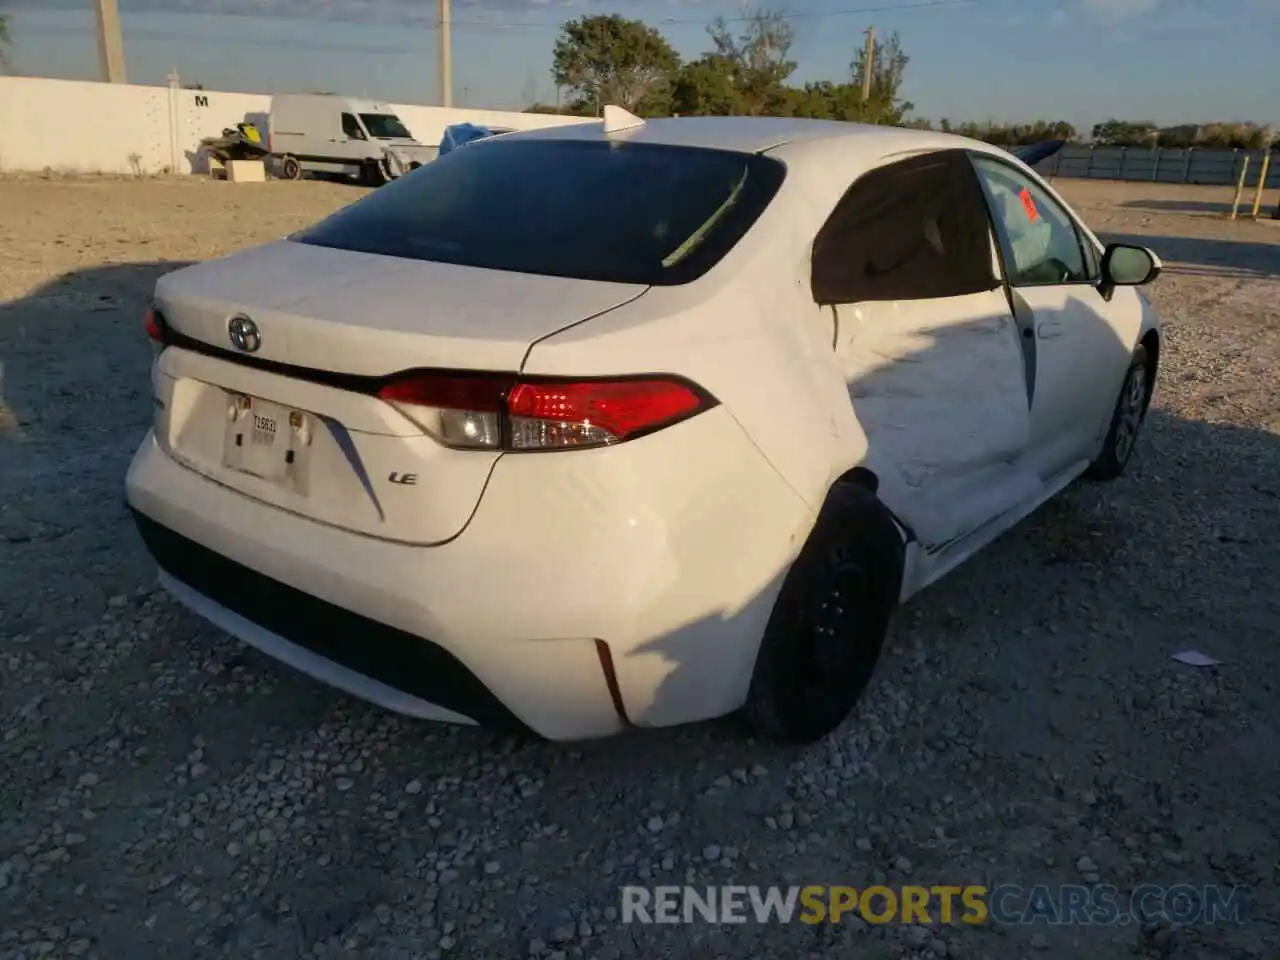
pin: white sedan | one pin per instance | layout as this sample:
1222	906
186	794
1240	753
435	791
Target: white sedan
631	424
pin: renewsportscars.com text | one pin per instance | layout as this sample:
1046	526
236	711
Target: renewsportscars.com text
1068	904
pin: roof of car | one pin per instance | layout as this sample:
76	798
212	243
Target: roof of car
747	134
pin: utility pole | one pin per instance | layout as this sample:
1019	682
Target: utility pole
110	41
868	63
446	52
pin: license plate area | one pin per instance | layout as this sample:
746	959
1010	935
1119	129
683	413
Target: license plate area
268	441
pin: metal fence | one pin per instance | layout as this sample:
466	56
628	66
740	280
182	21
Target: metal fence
1159	165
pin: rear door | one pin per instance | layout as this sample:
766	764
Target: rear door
928	346
1072	332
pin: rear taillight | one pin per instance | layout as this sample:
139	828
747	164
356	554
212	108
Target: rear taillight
585	414
503	412
154	325
459	410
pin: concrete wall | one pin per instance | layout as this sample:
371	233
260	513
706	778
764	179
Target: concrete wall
83	127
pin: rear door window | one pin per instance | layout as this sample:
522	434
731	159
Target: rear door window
593	210
914	229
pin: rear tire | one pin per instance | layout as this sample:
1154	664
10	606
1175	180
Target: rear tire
1126	420
290	168
828	626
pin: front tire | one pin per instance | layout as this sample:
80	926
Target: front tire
828	626
376	173
1126	420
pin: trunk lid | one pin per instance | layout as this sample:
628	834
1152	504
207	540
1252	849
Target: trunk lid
315	446
360	313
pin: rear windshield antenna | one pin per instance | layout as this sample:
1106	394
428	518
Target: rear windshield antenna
616	119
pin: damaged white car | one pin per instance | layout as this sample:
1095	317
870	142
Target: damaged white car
632	424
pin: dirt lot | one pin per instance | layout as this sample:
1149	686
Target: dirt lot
166	792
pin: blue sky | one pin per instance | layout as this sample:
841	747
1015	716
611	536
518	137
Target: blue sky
1082	60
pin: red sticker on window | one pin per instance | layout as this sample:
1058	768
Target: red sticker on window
1029	204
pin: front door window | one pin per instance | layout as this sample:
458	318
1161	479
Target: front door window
1040	240
351	127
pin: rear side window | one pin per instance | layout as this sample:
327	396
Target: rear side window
627	213
916	229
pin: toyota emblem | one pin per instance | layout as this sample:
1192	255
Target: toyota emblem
244	334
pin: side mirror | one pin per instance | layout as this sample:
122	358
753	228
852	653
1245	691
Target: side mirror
1127	265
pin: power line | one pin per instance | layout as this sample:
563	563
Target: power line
800	15
351	47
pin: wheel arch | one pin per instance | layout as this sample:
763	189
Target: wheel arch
863	476
851	516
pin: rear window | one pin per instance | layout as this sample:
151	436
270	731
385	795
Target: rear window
592	210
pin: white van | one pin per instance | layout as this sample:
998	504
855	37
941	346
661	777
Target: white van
335	134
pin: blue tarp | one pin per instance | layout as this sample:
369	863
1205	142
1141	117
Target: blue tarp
459	133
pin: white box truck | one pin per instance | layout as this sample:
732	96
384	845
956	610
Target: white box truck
343	135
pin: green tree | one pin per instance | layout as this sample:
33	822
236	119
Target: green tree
1013	134
757	60
820	100
551	108
825	100
609	59
1230	136
705	87
888	66
1124	133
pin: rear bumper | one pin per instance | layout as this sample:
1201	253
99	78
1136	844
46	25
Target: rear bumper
671	572
311	633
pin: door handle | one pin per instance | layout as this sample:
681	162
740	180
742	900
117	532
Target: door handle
1049	330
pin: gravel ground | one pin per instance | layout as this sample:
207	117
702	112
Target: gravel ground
165	791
